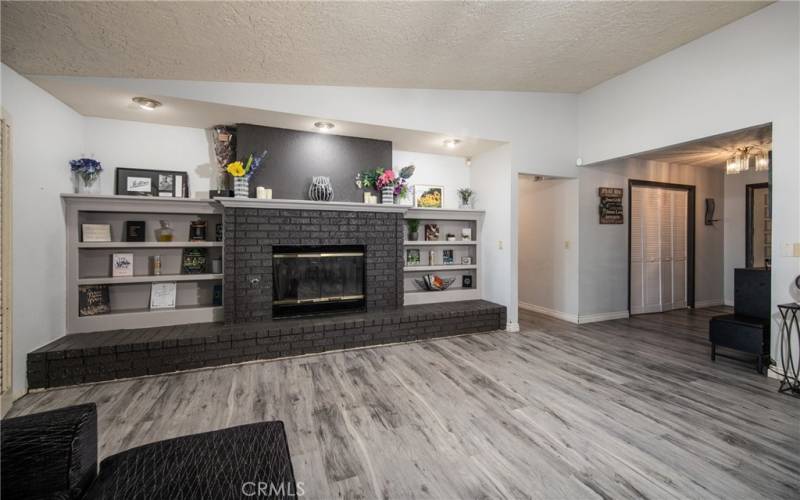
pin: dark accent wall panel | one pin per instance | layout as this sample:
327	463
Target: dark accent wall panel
296	156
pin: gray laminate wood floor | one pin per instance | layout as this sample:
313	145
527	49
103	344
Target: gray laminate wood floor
627	408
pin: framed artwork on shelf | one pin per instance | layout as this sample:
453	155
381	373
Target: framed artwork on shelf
141	182
466	281
162	295
431	232
413	257
194	260
447	256
93	300
121	264
428	196
95	233
135	230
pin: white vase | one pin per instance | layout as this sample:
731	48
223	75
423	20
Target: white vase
87	185
241	187
320	189
387	195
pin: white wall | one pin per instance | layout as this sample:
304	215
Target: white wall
120	143
548	246
451	172
744	74
491	171
735	221
604	247
45	136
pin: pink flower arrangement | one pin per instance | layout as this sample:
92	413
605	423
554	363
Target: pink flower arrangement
387	178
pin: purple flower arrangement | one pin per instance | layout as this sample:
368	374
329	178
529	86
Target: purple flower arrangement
87	168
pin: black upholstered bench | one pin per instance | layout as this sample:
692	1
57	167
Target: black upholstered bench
54	455
748	328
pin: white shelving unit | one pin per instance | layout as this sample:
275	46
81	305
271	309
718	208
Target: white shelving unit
449	221
89	263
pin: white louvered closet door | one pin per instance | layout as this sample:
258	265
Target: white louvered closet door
658	249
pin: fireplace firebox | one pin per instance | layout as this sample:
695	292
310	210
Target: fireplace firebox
313	280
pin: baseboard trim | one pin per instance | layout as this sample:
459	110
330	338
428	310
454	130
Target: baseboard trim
596	318
698	304
512	327
572	318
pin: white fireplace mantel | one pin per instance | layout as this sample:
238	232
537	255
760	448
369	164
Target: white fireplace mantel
344	206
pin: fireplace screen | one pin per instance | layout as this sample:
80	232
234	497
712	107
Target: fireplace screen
310	280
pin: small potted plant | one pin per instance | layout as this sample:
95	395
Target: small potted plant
242	171
413	229
465	197
86	173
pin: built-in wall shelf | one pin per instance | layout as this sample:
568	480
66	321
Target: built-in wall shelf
450	295
435	252
439	243
150	244
147	318
441	267
197	296
123	280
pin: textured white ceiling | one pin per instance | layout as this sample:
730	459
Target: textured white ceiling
532	46
712	151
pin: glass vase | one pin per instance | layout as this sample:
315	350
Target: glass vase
241	187
387	195
86	184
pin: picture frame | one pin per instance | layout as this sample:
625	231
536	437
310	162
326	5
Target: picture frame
447	256
95	233
121	264
428	196
163	295
93	300
413	257
466	281
431	232
194	260
135	230
143	182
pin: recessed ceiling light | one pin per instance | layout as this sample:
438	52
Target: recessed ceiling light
324	126
451	143
146	103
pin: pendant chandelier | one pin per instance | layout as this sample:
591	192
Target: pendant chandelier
740	160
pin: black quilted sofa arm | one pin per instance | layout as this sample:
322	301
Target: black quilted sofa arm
49	455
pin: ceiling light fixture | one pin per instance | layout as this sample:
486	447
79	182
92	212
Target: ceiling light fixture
146	103
451	143
740	160
324	126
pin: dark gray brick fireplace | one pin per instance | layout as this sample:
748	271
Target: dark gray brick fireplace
251	234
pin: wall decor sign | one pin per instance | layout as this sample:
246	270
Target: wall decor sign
610	205
162	295
194	260
140	182
93	300
428	196
95	232
135	230
121	264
